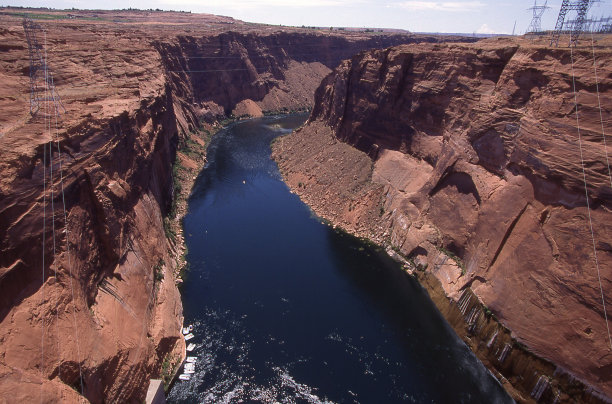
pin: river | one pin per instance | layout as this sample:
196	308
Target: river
287	309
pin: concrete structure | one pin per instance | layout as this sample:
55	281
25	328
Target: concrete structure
155	394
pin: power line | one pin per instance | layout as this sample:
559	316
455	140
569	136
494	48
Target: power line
36	62
39	69
603	131
52	188
42	317
603	134
76	329
45	101
586	194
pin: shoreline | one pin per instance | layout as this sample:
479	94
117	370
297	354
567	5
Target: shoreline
527	377
190	161
187	176
191	158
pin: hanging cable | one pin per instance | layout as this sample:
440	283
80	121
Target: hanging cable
603	132
47	98
42	298
76	330
586	194
42	317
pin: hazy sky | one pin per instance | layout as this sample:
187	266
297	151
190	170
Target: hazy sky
483	16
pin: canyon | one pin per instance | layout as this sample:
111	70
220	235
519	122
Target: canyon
464	160
90	260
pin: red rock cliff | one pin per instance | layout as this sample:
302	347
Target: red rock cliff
471	151
272	71
99	310
134	84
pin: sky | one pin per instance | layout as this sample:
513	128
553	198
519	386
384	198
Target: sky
467	16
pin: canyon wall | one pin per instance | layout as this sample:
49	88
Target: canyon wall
466	160
247	73
93	293
105	305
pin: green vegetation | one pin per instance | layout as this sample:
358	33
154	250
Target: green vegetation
452	256
183	264
169	366
286	110
39	16
176	186
191	148
488	313
182	178
158	270
170	233
397	250
46	16
228	120
415	265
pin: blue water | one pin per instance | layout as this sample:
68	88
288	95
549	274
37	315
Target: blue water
288	310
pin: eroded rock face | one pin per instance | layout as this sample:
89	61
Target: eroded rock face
95	307
472	151
106	306
276	70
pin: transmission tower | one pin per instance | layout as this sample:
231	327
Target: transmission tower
37	63
42	88
536	22
581	7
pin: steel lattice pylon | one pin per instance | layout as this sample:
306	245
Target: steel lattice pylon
42	88
536	22
37	63
581	7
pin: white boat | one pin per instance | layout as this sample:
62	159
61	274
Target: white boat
191	359
188	329
189	371
189	336
191	347
184	376
190	366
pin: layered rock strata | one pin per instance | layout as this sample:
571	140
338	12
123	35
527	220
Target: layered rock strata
466	160
135	87
104	306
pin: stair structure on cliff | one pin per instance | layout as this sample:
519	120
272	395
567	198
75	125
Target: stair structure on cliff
46	104
581	7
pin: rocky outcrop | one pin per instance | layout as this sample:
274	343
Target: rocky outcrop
101	312
135	85
273	70
466	159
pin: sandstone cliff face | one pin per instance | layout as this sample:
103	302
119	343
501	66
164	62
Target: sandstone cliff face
133	92
98	306
471	151
225	74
